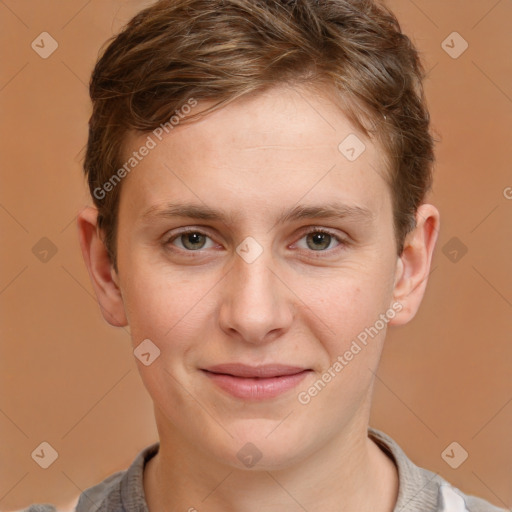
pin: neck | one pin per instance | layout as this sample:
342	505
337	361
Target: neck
349	473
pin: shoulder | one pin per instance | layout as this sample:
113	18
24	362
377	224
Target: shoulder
104	496
42	507
421	490
118	492
472	503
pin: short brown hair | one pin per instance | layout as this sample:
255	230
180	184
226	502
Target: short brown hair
221	50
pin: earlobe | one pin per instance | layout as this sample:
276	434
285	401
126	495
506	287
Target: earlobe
413	266
104	280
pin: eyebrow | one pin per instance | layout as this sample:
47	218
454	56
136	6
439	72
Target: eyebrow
202	212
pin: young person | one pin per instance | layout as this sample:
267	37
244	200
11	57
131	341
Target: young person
259	171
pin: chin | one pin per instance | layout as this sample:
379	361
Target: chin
261	447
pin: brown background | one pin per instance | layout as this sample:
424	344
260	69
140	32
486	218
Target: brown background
70	379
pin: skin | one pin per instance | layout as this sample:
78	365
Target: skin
301	302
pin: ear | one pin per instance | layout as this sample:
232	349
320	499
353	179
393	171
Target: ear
101	271
413	265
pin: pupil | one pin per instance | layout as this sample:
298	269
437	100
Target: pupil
320	240
191	240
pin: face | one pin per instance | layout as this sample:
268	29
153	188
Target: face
249	238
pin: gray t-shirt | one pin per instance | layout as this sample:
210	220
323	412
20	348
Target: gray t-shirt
419	490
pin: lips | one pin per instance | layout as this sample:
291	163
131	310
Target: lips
256	382
260	372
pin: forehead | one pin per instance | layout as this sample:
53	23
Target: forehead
282	146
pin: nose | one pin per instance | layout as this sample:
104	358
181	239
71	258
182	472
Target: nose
257	307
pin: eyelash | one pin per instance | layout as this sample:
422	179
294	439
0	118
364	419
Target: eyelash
342	242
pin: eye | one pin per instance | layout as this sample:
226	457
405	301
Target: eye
317	240
191	241
320	240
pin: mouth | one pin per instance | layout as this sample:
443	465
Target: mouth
256	382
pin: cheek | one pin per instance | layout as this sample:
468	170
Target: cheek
173	312
351	298
346	317
164	305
